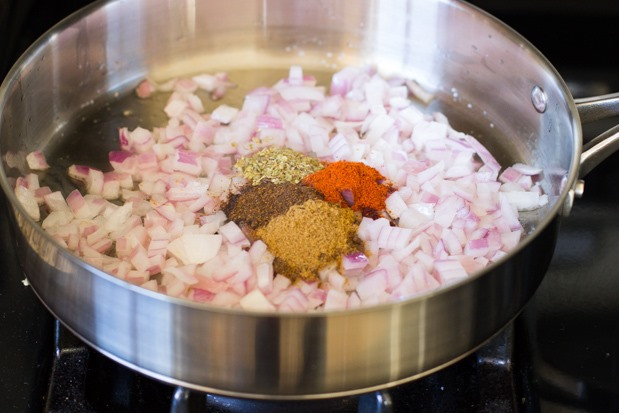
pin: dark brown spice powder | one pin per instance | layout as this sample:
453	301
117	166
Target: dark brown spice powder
256	205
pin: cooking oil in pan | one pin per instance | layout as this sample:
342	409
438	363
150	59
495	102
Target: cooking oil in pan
92	134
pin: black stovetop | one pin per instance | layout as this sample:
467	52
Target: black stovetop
560	355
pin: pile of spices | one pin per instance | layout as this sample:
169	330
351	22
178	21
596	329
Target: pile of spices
310	237
277	165
256	205
352	184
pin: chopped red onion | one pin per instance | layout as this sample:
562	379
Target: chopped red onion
36	161
354	261
145	89
26	197
348	196
302	93
526	169
224	114
450	216
372	285
256	301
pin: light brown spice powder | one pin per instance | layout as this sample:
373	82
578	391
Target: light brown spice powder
309	237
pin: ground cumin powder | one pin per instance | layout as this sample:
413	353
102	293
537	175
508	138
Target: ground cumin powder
309	237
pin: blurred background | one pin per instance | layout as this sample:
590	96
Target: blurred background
574	35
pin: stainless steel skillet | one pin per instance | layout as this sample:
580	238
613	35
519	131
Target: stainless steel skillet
487	79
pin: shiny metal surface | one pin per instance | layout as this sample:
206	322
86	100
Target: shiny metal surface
597	107
482	74
602	146
598	149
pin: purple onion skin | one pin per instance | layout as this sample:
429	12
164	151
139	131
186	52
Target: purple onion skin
348	197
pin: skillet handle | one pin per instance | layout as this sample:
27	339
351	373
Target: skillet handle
598	149
605	144
597	107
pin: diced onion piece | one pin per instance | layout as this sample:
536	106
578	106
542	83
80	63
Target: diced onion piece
150	285
117	219
195	248
94	182
450	271
394	237
224	114
354	261
36	161
336	300
302	93
256	301
145	89
264	277
233	234
372	284
78	205
395	205
526	169
182	274
40	193
78	172
55	202
28	201
525	201
419	92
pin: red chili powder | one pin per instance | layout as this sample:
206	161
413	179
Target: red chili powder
352	184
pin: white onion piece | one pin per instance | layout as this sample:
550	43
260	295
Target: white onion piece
510	175
195	248
264	277
233	234
184	275
40	193
28	201
309	93
340	148
526	201
419	92
295	75
118	218
336	300
78	172
36	161
224	114
206	81
372	284
450	271
526	169
256	301
55	202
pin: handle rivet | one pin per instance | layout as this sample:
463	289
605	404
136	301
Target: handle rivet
539	99
579	188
